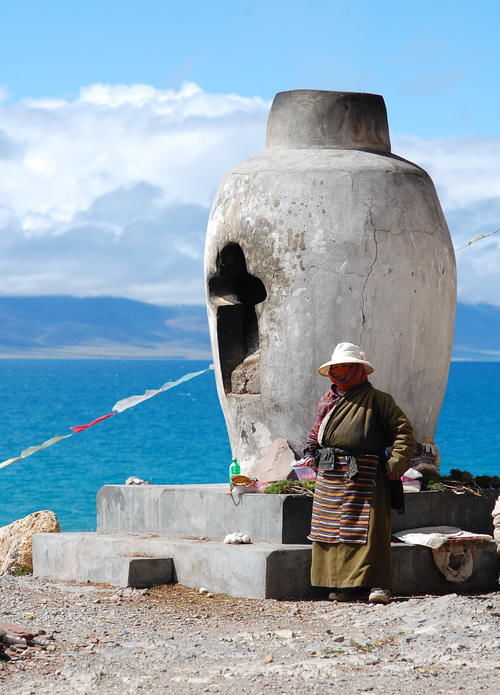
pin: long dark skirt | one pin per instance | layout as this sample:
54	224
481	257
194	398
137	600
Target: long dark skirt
345	565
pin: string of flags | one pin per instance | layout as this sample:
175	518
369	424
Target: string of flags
119	407
478	238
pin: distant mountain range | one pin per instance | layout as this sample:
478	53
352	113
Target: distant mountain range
108	327
73	327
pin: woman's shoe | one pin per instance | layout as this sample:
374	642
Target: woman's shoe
355	593
340	596
379	596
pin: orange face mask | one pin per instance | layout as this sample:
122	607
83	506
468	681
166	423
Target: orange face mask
347	376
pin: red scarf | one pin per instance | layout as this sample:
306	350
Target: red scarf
354	377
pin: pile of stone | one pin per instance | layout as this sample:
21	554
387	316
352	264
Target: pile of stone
15	641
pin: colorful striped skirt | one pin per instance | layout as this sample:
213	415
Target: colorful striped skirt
341	507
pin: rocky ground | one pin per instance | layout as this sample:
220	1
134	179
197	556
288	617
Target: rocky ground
175	640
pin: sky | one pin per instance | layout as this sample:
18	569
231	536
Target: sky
119	119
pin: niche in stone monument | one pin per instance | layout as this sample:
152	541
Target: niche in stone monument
235	293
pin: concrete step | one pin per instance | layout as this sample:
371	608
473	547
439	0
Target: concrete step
256	570
121	561
208	510
202	510
414	571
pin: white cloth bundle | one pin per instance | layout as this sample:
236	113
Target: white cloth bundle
436	536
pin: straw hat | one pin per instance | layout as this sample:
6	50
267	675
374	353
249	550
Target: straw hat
346	353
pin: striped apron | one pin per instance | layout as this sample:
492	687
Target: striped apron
341	506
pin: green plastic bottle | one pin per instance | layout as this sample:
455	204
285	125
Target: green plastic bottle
234	469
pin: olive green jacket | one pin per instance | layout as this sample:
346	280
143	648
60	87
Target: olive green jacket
368	421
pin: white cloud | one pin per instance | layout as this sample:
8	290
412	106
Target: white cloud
467	178
109	193
8	148
465	170
479	263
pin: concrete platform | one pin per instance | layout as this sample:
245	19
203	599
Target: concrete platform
202	510
152	534
468	512
257	570
414	571
207	510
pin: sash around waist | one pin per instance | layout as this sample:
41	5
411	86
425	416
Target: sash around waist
327	456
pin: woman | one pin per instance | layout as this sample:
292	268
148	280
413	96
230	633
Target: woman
351	519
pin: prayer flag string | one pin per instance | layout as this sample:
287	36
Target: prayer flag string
119	407
80	428
129	402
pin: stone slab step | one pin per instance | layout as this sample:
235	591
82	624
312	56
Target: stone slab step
414	571
207	510
84	557
202	510
257	570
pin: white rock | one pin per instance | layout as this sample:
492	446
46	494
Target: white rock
496	508
136	481
15	540
285	634
275	463
237	538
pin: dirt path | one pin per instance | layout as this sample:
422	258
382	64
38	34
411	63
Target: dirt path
175	640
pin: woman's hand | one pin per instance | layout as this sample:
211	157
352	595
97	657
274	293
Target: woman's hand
391	475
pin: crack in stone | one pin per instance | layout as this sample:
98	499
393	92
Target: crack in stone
348	272
363	316
403	231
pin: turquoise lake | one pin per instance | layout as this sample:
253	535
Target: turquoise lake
177	437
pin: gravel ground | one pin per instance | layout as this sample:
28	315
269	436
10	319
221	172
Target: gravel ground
175	640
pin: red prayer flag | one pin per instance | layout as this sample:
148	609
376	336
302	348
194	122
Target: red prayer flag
80	428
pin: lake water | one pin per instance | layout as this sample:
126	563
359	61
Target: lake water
177	437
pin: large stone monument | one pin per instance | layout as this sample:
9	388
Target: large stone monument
326	237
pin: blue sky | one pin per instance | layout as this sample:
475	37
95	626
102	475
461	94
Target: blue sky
118	119
436	62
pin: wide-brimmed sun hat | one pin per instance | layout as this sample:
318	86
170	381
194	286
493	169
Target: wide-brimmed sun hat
346	353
